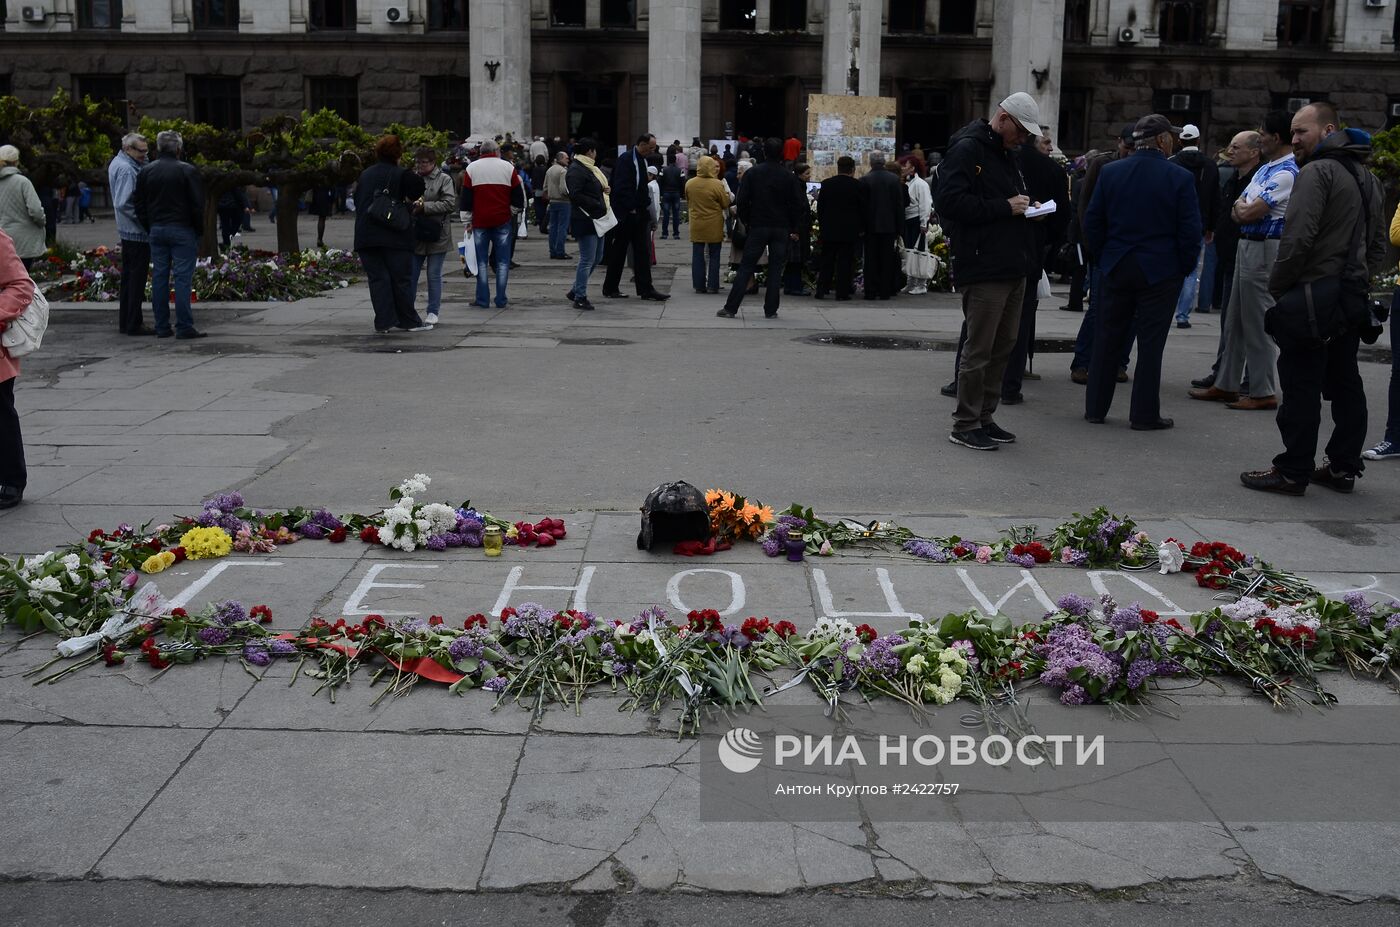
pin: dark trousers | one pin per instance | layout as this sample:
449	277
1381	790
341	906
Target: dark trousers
1076	286
838	258
699	276
389	273
776	241
230	221
12	472
1131	303
1392	421
1088	327
136	264
1309	372
1222	292
1016	364
879	265
632	232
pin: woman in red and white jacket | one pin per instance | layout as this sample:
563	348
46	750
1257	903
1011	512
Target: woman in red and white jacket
16	292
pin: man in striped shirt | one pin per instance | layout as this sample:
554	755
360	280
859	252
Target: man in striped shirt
1259	212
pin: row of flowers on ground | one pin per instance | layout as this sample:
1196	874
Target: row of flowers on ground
236	275
1087	652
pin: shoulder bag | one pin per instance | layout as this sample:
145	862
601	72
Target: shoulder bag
389	209
25	333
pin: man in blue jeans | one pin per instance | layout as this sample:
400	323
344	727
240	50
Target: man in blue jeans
560	209
672	183
169	202
491	199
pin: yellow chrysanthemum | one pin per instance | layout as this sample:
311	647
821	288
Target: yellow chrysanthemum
206	543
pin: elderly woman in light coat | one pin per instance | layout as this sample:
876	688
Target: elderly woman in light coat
16	292
21	212
438	204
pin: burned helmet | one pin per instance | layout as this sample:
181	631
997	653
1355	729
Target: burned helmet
674	512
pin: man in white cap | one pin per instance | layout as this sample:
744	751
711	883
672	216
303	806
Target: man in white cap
1207	177
982	196
21	212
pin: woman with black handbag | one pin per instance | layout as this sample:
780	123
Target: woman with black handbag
384	241
432	231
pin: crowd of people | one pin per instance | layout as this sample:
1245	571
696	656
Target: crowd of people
1281	230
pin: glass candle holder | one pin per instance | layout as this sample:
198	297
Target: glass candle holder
492	540
796	544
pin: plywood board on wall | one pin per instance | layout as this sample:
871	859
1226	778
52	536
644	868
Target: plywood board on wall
845	125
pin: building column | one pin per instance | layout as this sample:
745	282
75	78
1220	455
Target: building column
851	47
500	32
1029	37
673	65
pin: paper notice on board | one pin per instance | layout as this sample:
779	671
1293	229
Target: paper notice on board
829	125
1044	209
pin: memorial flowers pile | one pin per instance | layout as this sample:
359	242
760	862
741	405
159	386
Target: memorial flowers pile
237	275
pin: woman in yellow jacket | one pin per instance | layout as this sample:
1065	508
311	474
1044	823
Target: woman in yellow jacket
1389	447
708	200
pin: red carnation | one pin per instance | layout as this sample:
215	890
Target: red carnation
507	613
261	613
866	633
369	534
1148	616
434	621
474	621
337	536
179	553
96	535
112	656
179	613
375	620
785	629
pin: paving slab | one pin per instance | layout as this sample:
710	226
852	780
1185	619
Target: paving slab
375	810
72	791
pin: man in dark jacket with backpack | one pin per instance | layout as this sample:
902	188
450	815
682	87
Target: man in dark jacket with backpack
1207	176
1335	228
982	196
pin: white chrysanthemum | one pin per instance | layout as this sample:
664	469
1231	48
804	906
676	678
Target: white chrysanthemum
1247	609
835	628
46	584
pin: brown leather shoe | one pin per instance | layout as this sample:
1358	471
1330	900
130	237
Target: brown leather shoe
1079	375
1253	403
1213	394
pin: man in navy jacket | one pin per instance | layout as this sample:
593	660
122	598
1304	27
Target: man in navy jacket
630	203
1143	227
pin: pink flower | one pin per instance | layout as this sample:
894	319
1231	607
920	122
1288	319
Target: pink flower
1066	554
129	580
984	554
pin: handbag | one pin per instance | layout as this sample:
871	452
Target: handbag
426	229
919	262
606	223
389	210
25	333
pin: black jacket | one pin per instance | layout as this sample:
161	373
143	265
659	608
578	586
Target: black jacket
977	177
672	180
1207	177
882	199
838	208
169	192
771	197
1045	181
586	197
1227	230
629	194
401	184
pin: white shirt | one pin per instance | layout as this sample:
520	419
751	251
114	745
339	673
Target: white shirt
920	201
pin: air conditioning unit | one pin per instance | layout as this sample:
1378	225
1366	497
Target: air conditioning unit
1297	103
1180	102
1376	4
397	15
1127	36
32	14
1395	110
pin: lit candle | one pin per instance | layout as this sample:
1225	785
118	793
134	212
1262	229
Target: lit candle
492	540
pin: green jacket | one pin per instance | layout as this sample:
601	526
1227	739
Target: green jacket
21	213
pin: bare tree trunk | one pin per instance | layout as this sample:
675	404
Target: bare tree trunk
288	197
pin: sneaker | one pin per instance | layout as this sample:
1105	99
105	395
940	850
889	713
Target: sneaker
726	314
431	318
583	305
1182	323
951	390
1386	450
1326	476
419	328
1271	480
998	434
976	439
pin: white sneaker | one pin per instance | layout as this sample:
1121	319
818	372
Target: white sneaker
421	328
918	291
432	318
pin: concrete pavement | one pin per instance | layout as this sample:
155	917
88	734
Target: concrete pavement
143	789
